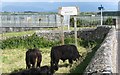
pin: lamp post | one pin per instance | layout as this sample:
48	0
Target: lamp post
101	9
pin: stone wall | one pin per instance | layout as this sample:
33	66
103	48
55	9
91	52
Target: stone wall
104	60
92	34
86	34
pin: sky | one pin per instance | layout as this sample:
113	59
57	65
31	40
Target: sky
60	0
52	5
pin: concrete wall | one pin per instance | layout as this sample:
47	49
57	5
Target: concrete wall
104	60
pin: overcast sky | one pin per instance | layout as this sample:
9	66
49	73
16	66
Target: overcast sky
60	0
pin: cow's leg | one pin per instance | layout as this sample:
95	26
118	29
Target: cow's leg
33	65
52	63
39	59
56	64
27	65
33	62
38	63
52	67
71	62
27	62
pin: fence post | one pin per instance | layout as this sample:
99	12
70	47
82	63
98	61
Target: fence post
62	30
75	30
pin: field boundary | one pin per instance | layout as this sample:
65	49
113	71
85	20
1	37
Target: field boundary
104	60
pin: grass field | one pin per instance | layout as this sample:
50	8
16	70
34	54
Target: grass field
14	59
11	34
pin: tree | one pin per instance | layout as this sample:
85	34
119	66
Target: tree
72	22
109	21
79	22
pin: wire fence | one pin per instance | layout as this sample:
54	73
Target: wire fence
30	20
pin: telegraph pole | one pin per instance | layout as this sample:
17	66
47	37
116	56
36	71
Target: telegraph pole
101	10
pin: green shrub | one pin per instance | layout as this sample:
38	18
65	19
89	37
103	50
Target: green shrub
69	40
109	21
40	42
27	42
83	23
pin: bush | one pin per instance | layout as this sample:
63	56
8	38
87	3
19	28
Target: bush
109	21
81	22
69	40
40	42
27	42
90	43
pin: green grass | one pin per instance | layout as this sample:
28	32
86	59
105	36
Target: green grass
12	34
0	60
14	59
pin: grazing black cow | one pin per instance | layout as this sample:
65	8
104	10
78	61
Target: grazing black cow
33	56
44	70
63	52
31	71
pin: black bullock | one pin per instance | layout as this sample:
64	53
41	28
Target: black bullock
44	70
33	56
63	52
